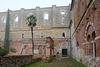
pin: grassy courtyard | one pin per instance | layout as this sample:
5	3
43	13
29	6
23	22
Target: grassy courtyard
65	62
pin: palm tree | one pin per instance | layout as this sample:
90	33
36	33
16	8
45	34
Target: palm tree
31	21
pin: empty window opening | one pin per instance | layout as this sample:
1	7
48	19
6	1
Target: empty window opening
4	19
16	19
63	35
88	38
62	12
62	18
93	35
63	23
22	35
41	35
29	14
46	16
77	44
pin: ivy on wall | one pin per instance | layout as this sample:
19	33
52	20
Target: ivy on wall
6	40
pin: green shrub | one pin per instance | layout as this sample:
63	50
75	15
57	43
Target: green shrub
13	50
3	51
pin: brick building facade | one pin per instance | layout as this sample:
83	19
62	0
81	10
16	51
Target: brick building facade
51	22
74	31
85	31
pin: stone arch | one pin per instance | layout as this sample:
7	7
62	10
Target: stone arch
29	14
87	28
91	38
62	12
64	45
24	50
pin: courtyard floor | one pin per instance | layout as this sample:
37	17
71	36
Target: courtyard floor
64	62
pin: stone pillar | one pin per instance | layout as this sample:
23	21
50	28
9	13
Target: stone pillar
47	50
43	50
38	50
94	50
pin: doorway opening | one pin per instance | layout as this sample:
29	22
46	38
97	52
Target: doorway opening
64	52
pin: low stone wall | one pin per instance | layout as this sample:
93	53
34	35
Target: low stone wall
17	61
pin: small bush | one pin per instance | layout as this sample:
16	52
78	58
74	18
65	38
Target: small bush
13	50
3	51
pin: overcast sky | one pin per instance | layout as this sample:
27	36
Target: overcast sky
28	4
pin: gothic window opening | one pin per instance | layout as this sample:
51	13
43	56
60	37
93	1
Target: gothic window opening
62	23
88	38
41	35
16	19
29	14
4	19
93	35
46	16
63	35
62	18
90	46
22	35
62	12
77	44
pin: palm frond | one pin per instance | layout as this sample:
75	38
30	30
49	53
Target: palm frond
31	20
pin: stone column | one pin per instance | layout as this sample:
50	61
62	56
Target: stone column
93	49
38	50
43	50
47	50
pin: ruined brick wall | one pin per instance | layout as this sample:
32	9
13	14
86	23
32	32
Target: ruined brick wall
17	61
47	20
86	21
51	21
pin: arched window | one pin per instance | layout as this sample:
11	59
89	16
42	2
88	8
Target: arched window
41	35
63	35
22	35
46	16
29	14
62	18
62	12
16	19
88	38
4	20
77	44
93	35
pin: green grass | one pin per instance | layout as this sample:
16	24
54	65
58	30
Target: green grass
35	57
67	62
77	63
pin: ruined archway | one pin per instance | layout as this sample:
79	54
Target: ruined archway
90	34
